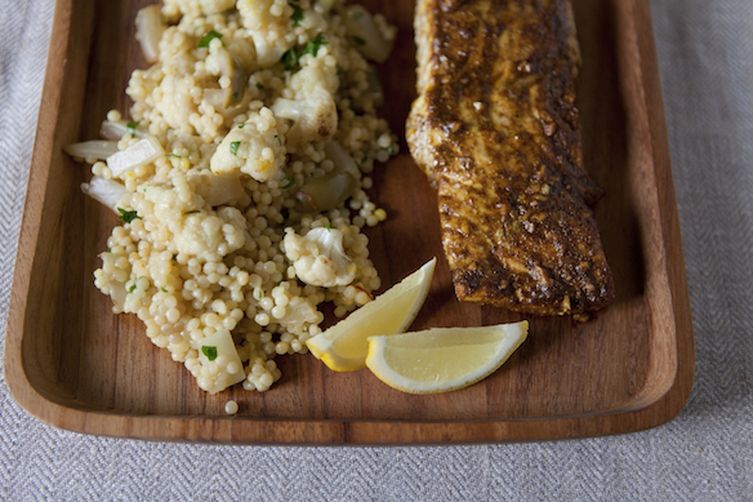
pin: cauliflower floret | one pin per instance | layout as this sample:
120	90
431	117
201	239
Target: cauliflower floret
175	215
221	366
317	74
266	29
313	108
216	6
173	9
210	236
174	103
255	148
299	313
319	258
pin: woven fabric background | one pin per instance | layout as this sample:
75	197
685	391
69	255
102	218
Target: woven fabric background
705	53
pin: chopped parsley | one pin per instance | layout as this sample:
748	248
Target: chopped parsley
132	288
127	216
297	16
328	226
131	126
360	41
286	182
241	126
174	156
207	39
314	44
210	351
163	290
234	147
291	57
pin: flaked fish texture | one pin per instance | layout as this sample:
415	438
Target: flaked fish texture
496	130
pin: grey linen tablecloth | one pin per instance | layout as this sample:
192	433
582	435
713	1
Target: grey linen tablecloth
706	56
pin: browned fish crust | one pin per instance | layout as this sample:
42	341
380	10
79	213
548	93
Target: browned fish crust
496	129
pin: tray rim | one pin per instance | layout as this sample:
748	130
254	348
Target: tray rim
652	413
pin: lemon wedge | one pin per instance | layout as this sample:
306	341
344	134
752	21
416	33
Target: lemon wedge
442	359
344	346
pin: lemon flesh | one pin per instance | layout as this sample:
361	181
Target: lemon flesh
344	346
442	359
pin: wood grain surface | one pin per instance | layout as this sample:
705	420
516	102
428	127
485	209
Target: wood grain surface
74	364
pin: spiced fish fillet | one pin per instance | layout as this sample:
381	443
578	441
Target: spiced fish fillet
495	128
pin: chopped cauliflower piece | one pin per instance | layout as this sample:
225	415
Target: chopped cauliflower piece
174	214
210	236
299	312
255	148
172	9
313	111
317	74
216	6
220	363
267	30
319	258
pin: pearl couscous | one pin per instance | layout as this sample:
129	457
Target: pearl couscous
239	179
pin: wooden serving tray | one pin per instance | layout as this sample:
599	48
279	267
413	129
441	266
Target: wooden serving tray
73	364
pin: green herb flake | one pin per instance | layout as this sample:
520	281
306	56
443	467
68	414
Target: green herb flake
207	39
297	15
163	290
241	126
328	226
290	59
127	216
234	147
132	288
286	182
174	156
360	41
210	351
131	126
314	45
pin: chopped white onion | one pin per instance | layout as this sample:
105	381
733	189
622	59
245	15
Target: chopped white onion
149	29
369	40
341	158
287	108
116	130
95	149
217	189
107	192
142	152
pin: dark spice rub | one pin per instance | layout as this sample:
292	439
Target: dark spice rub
495	128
